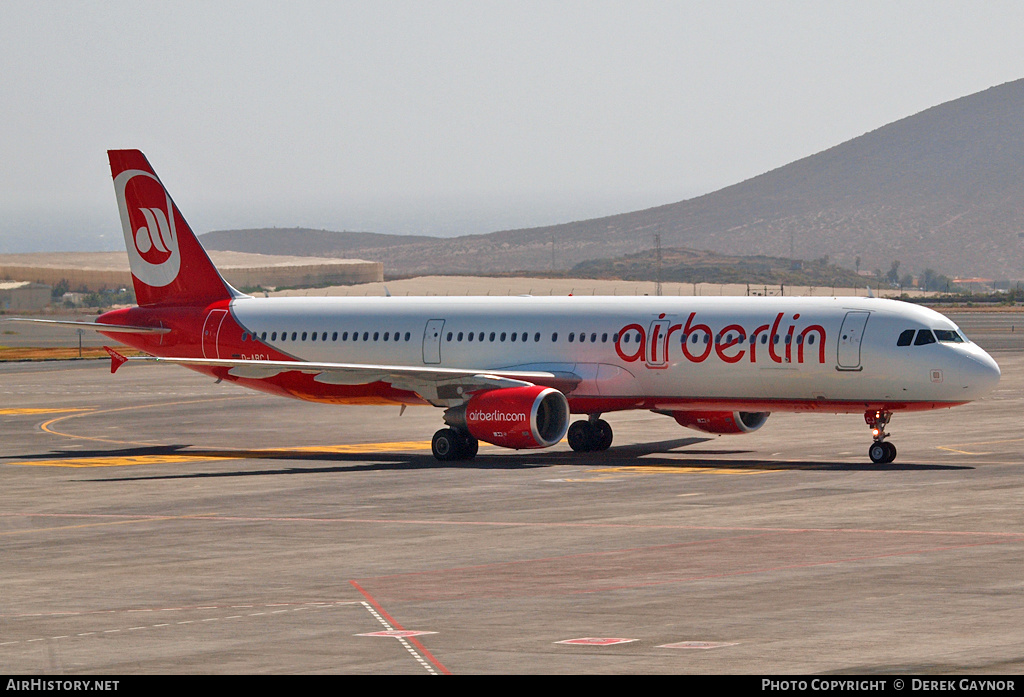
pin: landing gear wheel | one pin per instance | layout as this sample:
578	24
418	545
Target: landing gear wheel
878	452
468	446
445	445
589	436
891	455
882	452
581	436
449	445
603	431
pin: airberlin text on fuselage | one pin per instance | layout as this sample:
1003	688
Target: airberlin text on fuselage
496	416
731	343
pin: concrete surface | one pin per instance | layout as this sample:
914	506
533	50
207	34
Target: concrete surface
156	522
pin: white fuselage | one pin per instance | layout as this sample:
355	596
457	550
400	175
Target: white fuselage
795	353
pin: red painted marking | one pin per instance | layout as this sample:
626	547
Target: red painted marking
394	623
596	641
396	633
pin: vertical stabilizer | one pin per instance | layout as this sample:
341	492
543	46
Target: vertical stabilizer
169	266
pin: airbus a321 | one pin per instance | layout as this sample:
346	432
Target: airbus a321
511	371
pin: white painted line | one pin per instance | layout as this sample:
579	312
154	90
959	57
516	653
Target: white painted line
704	645
400	635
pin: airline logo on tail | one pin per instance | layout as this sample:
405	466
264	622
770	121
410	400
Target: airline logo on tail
147	218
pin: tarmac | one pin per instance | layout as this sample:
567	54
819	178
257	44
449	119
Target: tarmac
156	522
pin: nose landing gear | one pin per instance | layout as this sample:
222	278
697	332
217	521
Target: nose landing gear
881	451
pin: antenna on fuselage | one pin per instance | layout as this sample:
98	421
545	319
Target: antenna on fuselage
870	293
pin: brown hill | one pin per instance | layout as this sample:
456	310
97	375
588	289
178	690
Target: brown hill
942	189
304	241
693	266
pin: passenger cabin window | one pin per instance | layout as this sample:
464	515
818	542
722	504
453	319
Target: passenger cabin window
906	338
924	336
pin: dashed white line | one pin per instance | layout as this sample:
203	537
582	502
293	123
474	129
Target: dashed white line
408	647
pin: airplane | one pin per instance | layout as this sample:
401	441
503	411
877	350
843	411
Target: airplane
511	371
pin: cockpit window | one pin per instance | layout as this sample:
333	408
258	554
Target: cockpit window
906	338
948	336
924	336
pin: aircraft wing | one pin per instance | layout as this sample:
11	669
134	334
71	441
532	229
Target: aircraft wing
439	386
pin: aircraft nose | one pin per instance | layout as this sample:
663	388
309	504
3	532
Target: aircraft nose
980	373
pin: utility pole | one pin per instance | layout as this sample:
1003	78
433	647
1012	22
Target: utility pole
657	266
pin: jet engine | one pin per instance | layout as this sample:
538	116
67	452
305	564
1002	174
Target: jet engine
514	417
722	422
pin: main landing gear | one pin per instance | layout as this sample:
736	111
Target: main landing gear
881	451
450	444
591	435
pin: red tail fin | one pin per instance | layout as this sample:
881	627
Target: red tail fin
168	264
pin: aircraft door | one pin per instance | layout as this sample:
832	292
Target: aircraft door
432	341
657	344
850	336
211	330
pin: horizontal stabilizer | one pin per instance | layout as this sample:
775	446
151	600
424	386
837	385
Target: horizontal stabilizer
95	326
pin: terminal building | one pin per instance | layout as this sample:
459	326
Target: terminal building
23	296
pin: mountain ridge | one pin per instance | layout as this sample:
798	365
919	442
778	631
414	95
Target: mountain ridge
942	189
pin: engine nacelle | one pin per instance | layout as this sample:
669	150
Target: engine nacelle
722	422
514	417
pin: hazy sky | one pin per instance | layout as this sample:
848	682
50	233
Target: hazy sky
452	117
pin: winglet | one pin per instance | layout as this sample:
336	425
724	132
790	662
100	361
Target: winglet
116	359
